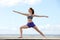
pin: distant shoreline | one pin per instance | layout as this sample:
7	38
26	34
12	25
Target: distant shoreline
27	35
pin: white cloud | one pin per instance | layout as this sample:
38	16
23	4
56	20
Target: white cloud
50	27
15	2
46	26
9	2
32	2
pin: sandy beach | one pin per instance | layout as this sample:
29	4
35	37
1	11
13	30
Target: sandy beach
15	36
27	37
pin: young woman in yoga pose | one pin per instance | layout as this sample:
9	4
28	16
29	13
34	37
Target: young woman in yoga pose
30	22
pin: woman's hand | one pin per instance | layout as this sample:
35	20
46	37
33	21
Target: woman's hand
46	16
16	11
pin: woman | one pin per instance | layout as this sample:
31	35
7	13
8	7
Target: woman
30	22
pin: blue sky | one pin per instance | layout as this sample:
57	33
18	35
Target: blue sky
10	21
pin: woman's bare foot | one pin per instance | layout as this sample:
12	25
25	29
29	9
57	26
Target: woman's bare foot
19	37
45	38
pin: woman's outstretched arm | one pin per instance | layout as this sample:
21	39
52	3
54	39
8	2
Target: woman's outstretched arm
40	16
20	13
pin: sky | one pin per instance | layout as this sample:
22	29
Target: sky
10	22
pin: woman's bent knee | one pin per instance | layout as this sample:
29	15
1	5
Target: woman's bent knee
21	27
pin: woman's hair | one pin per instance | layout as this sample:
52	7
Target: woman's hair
32	10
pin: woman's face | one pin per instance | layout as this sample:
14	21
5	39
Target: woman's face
30	11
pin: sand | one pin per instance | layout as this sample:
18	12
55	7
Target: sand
27	37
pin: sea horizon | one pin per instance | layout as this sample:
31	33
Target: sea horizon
28	35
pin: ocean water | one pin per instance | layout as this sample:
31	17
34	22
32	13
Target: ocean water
50	35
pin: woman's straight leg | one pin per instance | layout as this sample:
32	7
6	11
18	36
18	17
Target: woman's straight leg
39	31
